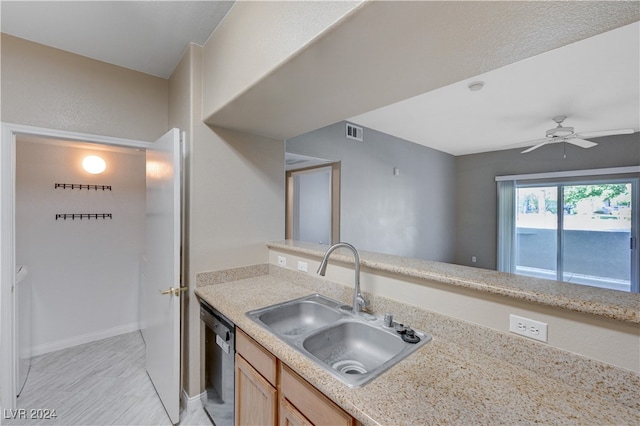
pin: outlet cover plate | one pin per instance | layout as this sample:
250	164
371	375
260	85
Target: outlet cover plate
527	327
282	261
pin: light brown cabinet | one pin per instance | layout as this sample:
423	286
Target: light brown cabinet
256	395
256	399
269	393
290	416
316	407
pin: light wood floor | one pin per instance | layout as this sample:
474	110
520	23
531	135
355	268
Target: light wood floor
98	383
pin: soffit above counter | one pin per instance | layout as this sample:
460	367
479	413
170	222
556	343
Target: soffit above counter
378	53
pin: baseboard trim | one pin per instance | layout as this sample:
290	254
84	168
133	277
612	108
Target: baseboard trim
193	402
82	339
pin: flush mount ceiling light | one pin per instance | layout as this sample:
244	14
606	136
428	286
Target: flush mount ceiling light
476	86
94	164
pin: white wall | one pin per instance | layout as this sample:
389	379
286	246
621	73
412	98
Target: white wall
312	205
255	38
84	273
234	203
54	89
51	88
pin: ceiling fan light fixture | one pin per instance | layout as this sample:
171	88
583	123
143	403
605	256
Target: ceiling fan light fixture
560	132
566	134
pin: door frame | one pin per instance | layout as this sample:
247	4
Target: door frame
9	132
335	199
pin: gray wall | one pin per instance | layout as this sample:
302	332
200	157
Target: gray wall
476	187
412	214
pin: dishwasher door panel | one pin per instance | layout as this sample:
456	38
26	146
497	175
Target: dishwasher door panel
219	368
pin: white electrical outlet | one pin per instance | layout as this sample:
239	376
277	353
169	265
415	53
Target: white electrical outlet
527	327
282	261
302	266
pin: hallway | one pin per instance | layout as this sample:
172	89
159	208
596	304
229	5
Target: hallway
98	383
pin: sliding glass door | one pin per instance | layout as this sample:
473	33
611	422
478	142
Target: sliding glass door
536	231
583	233
596	234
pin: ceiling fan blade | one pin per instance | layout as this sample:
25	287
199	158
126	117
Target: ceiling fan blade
525	144
581	142
605	133
535	147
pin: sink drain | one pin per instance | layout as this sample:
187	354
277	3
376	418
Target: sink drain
349	366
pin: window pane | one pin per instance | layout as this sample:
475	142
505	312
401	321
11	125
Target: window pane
536	231
596	235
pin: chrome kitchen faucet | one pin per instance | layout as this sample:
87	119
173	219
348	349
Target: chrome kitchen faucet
358	300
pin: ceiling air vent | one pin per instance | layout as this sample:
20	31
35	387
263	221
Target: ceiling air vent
354	132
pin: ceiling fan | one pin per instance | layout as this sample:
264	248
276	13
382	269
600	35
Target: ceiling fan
561	133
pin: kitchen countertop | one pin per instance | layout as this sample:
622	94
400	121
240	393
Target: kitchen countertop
466	375
612	304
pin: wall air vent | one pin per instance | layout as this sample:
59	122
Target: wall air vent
354	132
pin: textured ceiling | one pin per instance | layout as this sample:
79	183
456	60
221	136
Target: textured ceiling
594	82
146	36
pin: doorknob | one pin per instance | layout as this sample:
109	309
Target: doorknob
174	291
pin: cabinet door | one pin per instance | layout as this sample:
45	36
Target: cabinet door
289	416
256	399
309	401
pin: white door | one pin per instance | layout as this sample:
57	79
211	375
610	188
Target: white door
160	313
312	205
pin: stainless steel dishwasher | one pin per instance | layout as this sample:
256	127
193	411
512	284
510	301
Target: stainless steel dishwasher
219	373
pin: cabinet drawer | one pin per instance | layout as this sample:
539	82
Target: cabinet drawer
261	359
316	407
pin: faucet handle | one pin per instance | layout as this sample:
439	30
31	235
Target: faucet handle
388	320
362	301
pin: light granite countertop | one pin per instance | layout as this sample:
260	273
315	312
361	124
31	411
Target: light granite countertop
612	304
466	375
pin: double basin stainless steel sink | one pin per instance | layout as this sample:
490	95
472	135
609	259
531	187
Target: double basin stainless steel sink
353	348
